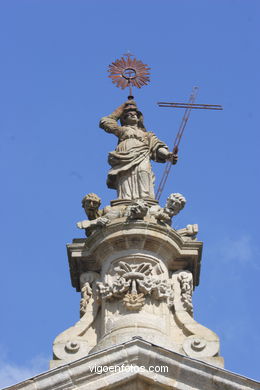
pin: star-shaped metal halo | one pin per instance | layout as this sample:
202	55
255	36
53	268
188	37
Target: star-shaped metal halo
128	72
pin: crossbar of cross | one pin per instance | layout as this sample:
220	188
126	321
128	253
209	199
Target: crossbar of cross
193	106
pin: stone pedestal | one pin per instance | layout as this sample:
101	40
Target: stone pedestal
136	280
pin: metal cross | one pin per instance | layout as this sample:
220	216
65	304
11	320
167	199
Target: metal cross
189	106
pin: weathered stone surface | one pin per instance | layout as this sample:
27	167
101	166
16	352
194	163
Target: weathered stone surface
147	366
120	234
136	278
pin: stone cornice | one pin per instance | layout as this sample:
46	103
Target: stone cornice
119	235
184	373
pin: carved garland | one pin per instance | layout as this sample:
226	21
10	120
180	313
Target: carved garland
186	285
133	283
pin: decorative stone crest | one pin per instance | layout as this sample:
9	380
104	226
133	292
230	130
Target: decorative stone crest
133	282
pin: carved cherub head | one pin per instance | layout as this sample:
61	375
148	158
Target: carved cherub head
90	204
175	203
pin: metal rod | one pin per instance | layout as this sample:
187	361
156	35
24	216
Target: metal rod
130	88
177	141
193	106
188	106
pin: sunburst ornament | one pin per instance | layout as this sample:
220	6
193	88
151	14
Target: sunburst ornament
129	72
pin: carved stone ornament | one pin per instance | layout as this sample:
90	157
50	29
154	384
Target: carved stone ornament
138	210
86	293
189	233
133	283
186	286
134	301
196	347
87	281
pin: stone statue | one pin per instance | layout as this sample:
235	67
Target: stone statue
131	174
90	204
174	204
138	209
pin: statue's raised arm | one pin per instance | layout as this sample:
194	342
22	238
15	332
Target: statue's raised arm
109	123
131	174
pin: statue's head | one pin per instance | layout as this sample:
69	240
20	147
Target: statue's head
131	116
90	204
175	203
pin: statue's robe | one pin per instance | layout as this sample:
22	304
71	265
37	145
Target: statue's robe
131	173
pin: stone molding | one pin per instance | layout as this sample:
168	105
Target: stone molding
184	373
87	254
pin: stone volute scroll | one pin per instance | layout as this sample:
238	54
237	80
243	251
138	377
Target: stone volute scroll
135	271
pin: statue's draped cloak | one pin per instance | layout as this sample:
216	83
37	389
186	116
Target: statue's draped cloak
131	174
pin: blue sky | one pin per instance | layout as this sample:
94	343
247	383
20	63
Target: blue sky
54	89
